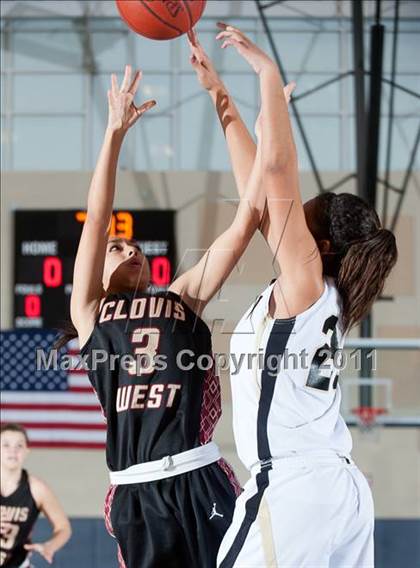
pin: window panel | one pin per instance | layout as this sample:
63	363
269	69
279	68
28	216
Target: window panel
3	92
323	134
308	51
408	45
404	103
203	146
156	87
153	55
3	43
403	136
47	143
153	149
48	93
326	100
52	51
110	51
4	143
44	25
350	163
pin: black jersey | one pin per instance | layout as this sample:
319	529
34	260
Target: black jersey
149	360
20	512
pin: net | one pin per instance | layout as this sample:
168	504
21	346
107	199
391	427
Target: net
367	416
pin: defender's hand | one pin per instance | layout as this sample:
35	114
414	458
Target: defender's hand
255	56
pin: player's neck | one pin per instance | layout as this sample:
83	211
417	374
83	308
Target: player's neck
125	290
9	480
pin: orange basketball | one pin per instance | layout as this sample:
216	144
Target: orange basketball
161	19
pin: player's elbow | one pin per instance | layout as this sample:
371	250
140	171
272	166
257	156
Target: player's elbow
278	156
67	530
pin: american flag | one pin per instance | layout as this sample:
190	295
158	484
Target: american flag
58	408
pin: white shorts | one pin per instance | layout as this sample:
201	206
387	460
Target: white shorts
302	513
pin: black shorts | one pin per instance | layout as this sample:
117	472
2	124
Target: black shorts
178	522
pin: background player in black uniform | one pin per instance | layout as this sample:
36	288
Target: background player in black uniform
171	498
23	497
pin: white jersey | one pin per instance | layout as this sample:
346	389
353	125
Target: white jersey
285	389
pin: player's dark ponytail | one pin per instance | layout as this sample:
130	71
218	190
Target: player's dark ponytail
363	271
361	254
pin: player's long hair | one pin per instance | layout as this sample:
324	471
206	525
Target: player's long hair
67	332
361	254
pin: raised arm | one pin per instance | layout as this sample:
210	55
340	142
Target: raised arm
199	284
89	264
241	145
296	250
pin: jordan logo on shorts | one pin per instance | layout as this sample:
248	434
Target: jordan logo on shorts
214	513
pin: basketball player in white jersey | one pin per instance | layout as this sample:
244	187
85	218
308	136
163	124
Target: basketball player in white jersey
306	504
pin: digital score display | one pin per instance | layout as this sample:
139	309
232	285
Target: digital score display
45	249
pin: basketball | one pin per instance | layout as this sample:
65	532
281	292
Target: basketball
161	19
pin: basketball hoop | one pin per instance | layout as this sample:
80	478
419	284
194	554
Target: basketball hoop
367	416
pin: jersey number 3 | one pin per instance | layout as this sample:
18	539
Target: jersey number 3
322	371
146	341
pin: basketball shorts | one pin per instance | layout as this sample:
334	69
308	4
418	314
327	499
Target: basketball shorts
177	522
302	515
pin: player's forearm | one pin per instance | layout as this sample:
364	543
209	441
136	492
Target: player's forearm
59	538
251	207
102	187
278	147
241	146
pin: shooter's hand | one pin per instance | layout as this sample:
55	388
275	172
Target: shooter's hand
202	64
122	112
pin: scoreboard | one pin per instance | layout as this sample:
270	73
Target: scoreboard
46	243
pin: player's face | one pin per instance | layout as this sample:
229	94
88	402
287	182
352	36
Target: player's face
126	267
13	450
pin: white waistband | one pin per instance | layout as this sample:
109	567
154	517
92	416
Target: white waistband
169	466
299	459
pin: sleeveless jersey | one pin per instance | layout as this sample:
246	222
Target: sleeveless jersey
20	511
159	395
285	394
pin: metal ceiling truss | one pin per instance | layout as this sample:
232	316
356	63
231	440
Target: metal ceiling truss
368	119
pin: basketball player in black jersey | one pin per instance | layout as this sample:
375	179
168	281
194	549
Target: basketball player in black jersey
23	497
171	497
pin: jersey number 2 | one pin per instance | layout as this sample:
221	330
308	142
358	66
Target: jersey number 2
322	370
